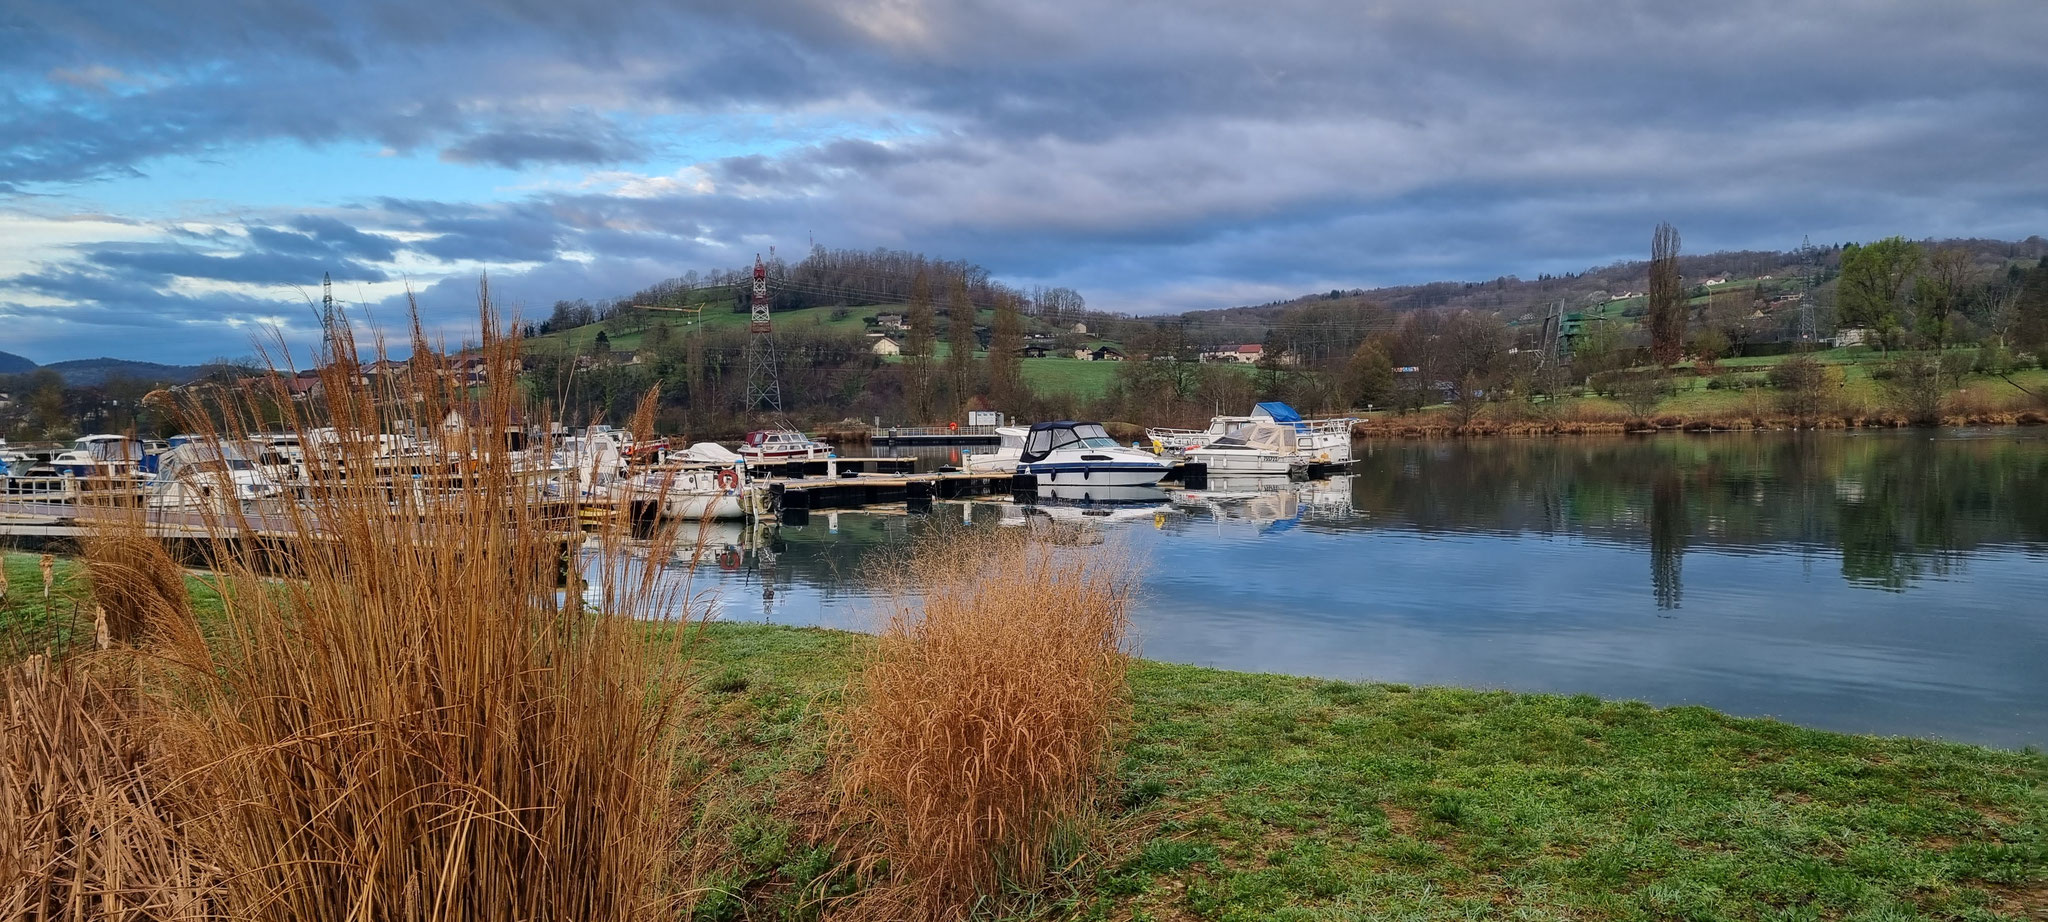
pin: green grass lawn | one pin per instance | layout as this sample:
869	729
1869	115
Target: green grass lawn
1266	797
1083	379
29	620
1262	797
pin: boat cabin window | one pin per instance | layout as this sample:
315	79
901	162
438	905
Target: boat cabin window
1085	435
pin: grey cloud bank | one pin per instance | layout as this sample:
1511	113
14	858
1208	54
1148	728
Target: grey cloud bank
1154	155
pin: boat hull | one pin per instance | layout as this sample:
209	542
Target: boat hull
1245	462
813	454
1106	474
691	506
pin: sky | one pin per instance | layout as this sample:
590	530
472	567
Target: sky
175	177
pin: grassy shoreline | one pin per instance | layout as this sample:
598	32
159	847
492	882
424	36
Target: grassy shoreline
1276	797
1243	796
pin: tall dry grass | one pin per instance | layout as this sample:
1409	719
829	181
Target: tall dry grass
398	713
973	748
136	586
84	831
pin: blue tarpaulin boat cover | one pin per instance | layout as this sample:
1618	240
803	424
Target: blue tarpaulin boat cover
1280	412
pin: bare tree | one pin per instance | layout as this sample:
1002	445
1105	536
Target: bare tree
1005	377
960	340
1667	300
1640	393
921	343
1802	382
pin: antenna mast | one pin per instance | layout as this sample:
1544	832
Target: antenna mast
764	378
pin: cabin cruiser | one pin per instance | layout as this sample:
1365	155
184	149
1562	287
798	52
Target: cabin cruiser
592	463
782	445
1068	452
1318	441
696	492
1003	460
209	473
1256	448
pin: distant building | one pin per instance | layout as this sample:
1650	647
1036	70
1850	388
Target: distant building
886	345
1853	336
1105	354
889	321
1247	354
1032	352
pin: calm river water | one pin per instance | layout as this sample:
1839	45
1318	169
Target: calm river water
1872	582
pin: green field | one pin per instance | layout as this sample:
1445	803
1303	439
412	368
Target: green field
714	317
1264	797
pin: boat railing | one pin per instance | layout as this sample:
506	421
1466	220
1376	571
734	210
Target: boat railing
1179	439
913	432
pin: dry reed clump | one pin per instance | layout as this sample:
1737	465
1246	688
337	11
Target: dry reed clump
399	715
971	750
84	830
136	585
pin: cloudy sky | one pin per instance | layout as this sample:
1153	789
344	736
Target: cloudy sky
174	177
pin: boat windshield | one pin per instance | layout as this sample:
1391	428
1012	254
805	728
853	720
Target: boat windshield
1091	435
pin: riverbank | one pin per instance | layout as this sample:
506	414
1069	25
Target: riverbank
1731	402
1273	797
1246	796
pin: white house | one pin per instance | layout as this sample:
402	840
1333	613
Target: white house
886	345
1853	336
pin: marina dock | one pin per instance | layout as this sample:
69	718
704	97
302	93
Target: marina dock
934	435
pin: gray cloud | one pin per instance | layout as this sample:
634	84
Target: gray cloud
1146	151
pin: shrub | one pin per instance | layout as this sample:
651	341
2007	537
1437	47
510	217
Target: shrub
1803	384
973	748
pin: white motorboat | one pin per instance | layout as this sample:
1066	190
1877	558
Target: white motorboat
697	492
1003	460
208	473
1264	448
1071	453
782	445
1318	441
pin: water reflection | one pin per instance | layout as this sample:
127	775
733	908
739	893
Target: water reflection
1897	506
1883	582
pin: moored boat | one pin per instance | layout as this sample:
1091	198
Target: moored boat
1318	441
1068	452
782	445
1257	448
696	492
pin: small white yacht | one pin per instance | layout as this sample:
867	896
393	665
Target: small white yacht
1074	453
696	492
1003	459
1256	448
782	445
209	473
1318	441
